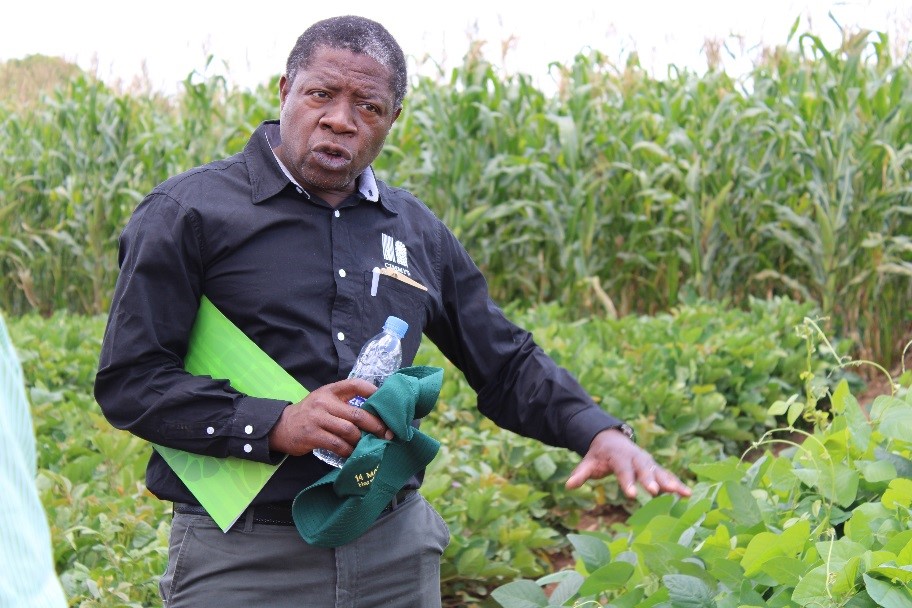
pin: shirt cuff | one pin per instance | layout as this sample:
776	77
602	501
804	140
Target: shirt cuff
582	428
249	435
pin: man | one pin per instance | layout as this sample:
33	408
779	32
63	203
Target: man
27	576
282	238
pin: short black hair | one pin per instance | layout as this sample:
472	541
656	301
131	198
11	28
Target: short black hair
358	35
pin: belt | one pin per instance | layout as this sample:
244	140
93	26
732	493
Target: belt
279	513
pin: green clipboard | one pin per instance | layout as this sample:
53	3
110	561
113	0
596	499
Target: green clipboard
217	348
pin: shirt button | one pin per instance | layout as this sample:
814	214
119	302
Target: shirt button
337	214
341	336
210	430
248	429
342	272
248	448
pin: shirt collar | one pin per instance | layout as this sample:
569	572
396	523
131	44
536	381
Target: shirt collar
367	181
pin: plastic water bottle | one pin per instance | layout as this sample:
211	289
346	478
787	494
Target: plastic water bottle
378	360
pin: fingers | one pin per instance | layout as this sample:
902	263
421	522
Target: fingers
345	390
652	478
363	421
612	452
669	482
325	419
580	474
648	479
627	475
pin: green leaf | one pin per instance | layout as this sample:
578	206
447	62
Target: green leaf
902	465
741	504
794	411
904	555
555	577
632	599
836	553
520	594
896	422
568	585
894	573
471	562
892	415
661	557
840	394
898	494
811	590
780	407
810	477
477	505
899	544
882	403
905	380
665	528
610	576
593	551
684	424
748	596
545	467
858	424
865	519
660	505
726	571
846	485
688	591
835	482
878	471
887	594
785	570
730	469
767	546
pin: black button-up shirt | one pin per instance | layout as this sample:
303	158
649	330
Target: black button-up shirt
295	275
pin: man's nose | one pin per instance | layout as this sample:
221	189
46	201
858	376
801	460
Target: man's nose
339	117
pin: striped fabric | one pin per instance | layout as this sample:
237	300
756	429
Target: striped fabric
27	576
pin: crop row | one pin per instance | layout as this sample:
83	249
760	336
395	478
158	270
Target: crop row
620	195
695	384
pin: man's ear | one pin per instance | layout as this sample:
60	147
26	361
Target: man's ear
284	89
396	114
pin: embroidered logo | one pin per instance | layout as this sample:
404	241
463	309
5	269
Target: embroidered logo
395	254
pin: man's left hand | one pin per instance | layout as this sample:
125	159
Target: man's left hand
612	452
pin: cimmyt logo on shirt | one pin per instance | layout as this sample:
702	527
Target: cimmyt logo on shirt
395	254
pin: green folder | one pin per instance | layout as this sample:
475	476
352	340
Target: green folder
217	348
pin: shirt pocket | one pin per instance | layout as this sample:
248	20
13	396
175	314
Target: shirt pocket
399	299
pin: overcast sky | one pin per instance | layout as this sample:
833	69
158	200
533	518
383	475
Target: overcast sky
169	39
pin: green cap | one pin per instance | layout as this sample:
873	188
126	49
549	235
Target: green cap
342	505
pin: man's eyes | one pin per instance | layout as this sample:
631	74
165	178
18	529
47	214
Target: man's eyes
366	105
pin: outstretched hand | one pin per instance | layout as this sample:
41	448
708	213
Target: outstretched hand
612	452
325	419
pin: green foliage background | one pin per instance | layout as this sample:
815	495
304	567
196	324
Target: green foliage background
661	238
619	195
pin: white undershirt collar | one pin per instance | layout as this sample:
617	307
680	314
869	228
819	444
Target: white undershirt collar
367	183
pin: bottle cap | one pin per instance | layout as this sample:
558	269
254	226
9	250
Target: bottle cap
396	325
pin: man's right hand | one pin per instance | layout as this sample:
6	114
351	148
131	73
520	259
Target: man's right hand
324	419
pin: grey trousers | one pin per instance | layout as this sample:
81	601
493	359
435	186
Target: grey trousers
395	563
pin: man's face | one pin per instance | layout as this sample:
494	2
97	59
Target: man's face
334	120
